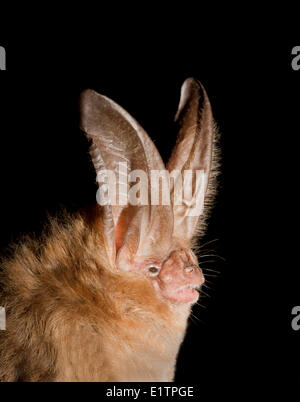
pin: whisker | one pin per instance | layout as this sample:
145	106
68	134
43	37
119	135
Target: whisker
207	255
201	305
208	242
193	317
208	261
205	294
212	270
210	282
208	287
211	255
208	250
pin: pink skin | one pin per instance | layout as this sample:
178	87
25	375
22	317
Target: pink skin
175	278
179	277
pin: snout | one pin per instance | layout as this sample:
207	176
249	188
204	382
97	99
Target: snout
194	275
180	284
187	275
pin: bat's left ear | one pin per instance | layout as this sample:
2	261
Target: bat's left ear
117	139
192	157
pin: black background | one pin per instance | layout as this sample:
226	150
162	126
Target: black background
242	334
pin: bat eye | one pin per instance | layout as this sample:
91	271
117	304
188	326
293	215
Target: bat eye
153	271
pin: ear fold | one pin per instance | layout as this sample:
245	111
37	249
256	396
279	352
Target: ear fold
191	157
118	139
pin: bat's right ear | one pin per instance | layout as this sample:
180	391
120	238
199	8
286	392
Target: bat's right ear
192	153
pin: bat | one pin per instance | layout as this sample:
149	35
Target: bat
105	294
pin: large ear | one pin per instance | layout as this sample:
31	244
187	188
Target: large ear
118	139
191	157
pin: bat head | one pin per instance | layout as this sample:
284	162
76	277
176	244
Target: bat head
151	212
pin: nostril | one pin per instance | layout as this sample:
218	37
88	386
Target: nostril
189	269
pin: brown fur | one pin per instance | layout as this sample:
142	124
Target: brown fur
71	317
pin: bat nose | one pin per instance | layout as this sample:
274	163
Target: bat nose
194	273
